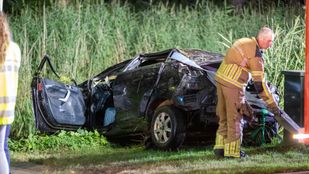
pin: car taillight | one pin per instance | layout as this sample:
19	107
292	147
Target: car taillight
39	87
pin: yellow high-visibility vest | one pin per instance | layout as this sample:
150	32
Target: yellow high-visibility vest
9	83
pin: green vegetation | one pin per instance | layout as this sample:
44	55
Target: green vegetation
60	141
135	159
84	39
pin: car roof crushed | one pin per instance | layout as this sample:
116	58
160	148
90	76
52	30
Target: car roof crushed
200	57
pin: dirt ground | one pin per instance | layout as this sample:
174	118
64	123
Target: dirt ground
33	168
26	168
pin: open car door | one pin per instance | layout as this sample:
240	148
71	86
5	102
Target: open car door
56	106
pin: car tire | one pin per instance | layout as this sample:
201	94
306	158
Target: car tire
168	128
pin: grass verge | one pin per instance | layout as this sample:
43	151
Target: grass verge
135	159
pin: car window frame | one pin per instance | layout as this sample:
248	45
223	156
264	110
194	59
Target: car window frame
139	60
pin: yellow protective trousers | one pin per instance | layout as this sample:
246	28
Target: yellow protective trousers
229	133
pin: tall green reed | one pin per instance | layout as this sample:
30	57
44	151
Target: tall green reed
288	51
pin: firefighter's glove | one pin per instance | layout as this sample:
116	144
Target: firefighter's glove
246	110
274	108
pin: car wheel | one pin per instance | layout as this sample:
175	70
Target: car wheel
167	128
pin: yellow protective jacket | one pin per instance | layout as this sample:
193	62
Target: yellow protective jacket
8	83
242	59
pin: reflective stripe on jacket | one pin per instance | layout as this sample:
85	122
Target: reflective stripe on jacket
9	83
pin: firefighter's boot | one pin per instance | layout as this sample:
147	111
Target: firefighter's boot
232	150
219	146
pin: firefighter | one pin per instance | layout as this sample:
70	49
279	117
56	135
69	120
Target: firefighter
243	58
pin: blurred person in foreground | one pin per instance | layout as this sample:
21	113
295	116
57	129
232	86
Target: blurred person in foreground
243	58
10	57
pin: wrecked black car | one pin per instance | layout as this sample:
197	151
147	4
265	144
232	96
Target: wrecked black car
164	96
